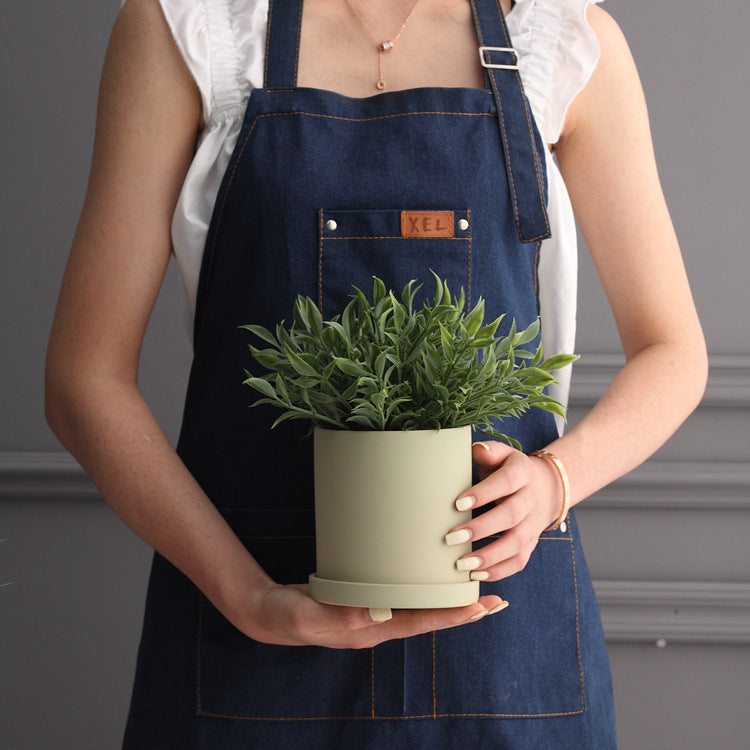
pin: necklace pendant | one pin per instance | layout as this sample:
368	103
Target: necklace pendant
385	46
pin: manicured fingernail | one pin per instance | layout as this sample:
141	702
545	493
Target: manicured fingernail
479	575
469	563
465	502
380	614
484	445
458	537
499	607
479	615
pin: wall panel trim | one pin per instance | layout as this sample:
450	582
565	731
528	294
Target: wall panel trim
43	475
632	611
728	380
678	485
668	611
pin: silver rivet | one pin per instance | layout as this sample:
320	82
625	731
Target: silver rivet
331	225
463	225
563	527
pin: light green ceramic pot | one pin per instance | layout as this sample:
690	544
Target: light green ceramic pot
384	502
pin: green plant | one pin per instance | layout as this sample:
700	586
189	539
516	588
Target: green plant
384	365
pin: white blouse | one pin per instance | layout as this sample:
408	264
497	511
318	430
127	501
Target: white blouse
223	44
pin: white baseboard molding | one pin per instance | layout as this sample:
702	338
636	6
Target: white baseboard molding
728	379
674	612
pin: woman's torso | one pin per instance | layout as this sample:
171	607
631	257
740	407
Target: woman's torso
223	45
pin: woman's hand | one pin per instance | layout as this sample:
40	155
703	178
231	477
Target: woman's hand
527	495
287	615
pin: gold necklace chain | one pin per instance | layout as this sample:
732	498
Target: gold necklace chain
385	46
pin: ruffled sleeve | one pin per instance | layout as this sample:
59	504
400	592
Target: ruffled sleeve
222	44
558	52
218	40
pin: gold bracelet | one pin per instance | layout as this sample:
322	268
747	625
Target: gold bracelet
557	463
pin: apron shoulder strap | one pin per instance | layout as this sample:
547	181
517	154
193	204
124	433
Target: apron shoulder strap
282	44
522	143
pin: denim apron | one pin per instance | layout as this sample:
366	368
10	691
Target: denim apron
323	191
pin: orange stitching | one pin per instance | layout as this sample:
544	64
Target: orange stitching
296	51
396	718
507	153
320	266
508	43
476	23
435	715
510	170
310	114
199	640
398	237
372	681
468	281
434	659
268	41
490	74
502	117
379	117
221	209
537	159
554	539
578	641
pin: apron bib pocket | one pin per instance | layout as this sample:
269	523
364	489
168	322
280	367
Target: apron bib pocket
400	245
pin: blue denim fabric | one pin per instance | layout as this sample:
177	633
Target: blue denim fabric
535	676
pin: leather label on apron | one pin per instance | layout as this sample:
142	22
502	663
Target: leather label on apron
427	223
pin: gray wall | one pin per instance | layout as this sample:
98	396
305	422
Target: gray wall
667	545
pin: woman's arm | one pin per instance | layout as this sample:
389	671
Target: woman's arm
606	158
148	119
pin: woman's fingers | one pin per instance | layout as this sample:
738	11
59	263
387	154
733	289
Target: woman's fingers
293	618
506	474
406	623
502	557
519	501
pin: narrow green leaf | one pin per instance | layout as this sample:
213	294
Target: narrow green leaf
262	386
262	333
300	365
558	361
350	367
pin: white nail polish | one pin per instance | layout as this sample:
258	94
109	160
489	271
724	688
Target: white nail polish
484	445
468	563
458	537
479	575
479	615
499	607
466	502
380	614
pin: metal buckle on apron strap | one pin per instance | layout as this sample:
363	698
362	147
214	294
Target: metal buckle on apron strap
486	64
